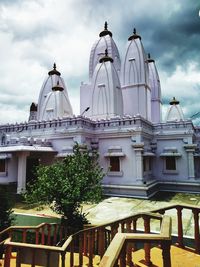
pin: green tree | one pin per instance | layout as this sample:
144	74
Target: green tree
5	208
66	184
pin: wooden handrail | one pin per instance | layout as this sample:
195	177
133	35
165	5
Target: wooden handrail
91	238
113	251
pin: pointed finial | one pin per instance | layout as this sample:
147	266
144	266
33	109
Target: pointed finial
106	57
149	59
174	101
106	52
105	31
54	71
57	87
134	36
106	26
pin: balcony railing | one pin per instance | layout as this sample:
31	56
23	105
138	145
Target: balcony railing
108	244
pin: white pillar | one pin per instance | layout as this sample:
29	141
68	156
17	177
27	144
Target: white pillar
21	176
190	153
139	147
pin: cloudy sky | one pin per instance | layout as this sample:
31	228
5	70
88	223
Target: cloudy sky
36	33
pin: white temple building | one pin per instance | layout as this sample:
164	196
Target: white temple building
120	109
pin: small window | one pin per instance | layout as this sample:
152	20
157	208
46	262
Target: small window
2	165
147	164
170	163
114	164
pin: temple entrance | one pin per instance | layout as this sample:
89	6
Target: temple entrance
31	165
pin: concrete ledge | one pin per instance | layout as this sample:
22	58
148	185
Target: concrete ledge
146	191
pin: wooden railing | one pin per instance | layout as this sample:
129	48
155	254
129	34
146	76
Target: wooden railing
180	236
88	242
92	243
117	253
44	234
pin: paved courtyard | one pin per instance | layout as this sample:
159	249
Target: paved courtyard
114	208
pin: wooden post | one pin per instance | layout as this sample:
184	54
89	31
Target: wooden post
81	249
48	258
43	237
37	237
55	234
128	247
8	252
165	246
147	246
24	236
90	249
72	254
63	259
180	227
196	231
122	257
49	234
101	241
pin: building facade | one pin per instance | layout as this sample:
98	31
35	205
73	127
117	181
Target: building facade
120	109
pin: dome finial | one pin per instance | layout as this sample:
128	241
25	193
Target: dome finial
105	57
149	59
106	52
106	26
174	101
134	36
57	87
54	71
105	31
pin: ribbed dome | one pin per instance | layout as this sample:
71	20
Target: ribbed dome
135	68
52	82
56	105
154	83
107	101
105	42
175	112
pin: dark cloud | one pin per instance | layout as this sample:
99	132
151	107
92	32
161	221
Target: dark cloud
172	39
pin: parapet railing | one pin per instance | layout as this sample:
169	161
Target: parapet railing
44	233
180	231
86	243
92	243
117	250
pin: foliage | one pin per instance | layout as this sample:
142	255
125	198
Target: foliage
66	184
6	218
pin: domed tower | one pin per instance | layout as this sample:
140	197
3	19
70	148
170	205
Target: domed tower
175	112
135	79
104	42
154	83
33	112
53	99
106	99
